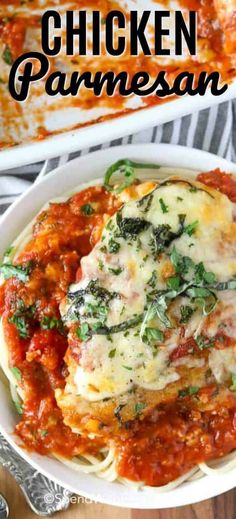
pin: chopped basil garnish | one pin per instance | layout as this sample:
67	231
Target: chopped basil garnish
190	391
139	407
191	228
18	406
112	353
153	280
117	271
153	335
51	323
21	325
233	386
186	313
43	433
204	342
173	282
164	207
83	332
127	168
7	55
8	270
113	246
16	372
87	209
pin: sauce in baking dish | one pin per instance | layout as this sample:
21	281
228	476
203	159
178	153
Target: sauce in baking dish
21	33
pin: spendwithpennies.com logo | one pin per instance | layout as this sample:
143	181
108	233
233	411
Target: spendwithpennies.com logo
53	499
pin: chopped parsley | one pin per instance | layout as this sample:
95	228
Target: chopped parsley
9	270
16	372
113	246
189	391
191	228
83	332
116	271
186	312
21	325
127	168
43	433
127	367
139	407
152	335
204	342
18	406
153	280
7	55
173	282
51	323
233	386
100	265
87	209
164	207
112	353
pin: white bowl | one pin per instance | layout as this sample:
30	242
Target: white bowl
63	179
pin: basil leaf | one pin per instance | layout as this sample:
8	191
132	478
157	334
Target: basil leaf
7	55
129	228
204	342
127	167
191	228
186	313
164	207
83	332
8	270
139	407
87	209
16	372
233	386
21	325
153	335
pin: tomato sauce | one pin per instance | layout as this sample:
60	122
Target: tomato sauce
174	436
33	331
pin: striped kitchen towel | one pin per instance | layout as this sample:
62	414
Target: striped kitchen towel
213	130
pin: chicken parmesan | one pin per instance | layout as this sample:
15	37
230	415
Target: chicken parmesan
118	329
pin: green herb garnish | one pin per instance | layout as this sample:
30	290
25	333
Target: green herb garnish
186	313
191	228
233	386
21	325
139	407
87	209
113	246
16	372
8	270
190	391
83	332
112	353
7	55
164	207
127	168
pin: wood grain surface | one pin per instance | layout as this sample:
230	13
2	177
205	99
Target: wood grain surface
222	507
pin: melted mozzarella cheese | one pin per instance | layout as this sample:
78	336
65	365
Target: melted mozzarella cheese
113	364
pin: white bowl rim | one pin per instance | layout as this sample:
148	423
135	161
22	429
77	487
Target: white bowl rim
14	220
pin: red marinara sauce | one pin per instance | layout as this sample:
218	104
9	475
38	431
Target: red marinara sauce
33	330
177	437
221	181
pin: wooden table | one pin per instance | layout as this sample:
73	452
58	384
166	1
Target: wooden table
222	507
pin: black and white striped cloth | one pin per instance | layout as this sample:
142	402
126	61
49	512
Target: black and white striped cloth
213	130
